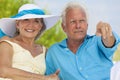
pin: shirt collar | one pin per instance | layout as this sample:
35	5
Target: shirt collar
64	42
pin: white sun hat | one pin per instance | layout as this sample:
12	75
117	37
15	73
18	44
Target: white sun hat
27	11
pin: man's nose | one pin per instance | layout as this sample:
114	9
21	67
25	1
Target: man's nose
78	24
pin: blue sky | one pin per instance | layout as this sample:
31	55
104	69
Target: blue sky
98	10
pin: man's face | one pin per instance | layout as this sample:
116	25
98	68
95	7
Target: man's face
75	24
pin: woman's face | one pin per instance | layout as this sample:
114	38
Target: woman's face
29	27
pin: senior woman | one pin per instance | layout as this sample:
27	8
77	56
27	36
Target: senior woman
20	57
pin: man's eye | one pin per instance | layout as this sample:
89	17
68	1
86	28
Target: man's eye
72	21
81	20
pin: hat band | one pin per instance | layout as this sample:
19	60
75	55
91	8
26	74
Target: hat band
33	11
2	33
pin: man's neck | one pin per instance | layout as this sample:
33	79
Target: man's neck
74	45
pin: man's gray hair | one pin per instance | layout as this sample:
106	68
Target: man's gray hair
72	5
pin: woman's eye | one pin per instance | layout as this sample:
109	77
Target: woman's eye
25	19
37	21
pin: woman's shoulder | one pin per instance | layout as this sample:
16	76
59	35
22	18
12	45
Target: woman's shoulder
5	39
5	43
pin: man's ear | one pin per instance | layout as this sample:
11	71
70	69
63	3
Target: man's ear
63	27
87	25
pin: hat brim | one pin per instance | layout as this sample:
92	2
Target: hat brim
8	25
